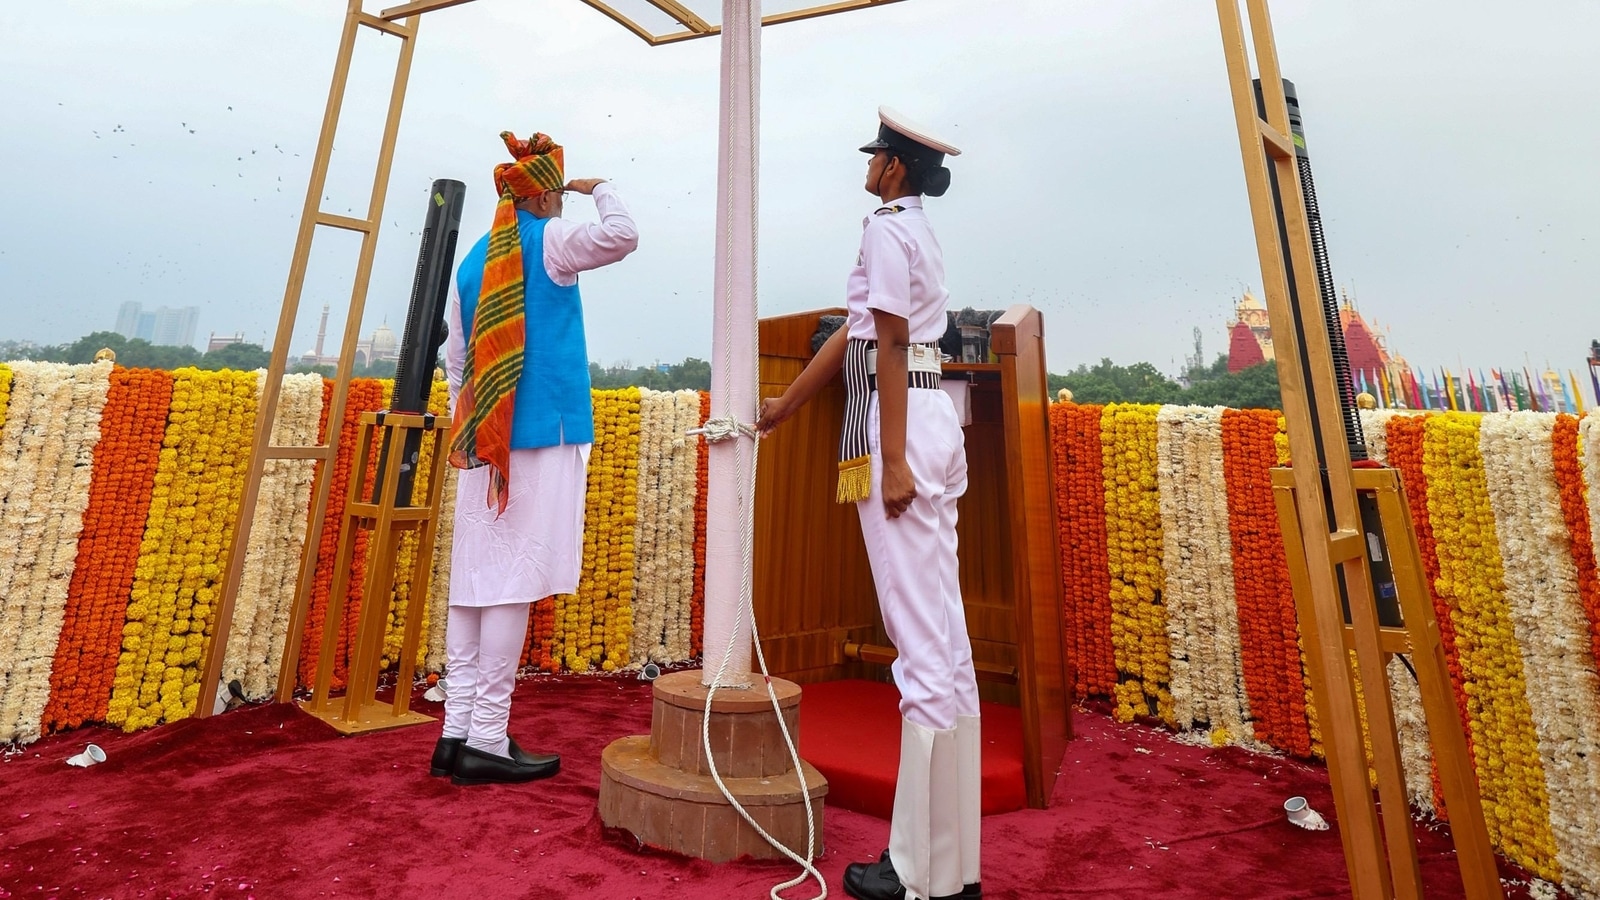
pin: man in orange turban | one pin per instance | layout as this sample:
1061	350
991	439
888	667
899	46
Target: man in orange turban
523	427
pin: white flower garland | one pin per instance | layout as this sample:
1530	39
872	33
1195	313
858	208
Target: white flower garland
439	582
1207	675
271	568
1416	751
649	604
1563	688
680	537
46	455
1375	428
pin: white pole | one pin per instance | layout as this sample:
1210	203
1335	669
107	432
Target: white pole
730	500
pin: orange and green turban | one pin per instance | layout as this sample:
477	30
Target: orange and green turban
482	421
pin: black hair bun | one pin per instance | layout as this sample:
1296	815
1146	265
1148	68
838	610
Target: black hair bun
936	182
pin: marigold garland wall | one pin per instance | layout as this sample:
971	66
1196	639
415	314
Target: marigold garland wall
1176	590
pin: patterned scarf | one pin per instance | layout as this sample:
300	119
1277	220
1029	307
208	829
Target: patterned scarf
855	456
482	421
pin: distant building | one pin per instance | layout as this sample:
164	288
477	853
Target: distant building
382	346
217	342
1249	335
128	320
166	326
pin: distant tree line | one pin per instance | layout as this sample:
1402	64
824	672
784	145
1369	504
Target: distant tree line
1104	382
1107	382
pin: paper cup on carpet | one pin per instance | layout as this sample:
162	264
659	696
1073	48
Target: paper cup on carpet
91	756
1301	813
435	693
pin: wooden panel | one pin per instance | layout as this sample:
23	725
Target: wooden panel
812	578
1042	677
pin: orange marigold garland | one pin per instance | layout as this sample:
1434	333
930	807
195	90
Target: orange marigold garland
1085	570
131	429
1575	510
1269	636
365	394
697	611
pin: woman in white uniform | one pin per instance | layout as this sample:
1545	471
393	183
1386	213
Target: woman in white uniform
524	425
903	463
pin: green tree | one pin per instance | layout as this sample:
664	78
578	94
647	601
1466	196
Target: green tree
1107	382
242	357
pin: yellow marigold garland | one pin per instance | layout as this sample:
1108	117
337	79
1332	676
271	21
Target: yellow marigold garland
594	626
5	392
1471	583
1133	550
195	502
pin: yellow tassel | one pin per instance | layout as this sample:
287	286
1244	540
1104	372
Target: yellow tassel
855	479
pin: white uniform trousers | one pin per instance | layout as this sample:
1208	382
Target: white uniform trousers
915	568
484	645
934	834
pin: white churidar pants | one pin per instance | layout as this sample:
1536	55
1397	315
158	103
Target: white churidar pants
498	566
934	835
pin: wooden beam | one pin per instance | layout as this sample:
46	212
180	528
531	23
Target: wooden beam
417	8
1279	146
383	25
683	14
345	222
883	656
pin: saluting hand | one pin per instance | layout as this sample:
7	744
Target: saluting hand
899	488
583	185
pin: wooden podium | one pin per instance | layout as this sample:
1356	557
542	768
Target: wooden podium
814	595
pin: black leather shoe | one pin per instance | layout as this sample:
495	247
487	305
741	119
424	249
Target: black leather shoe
873	881
973	891
879	881
473	766
539	760
444	756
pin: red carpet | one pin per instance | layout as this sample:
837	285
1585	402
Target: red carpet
850	730
266	802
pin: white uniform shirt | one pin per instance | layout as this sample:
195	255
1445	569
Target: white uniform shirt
900	271
569	248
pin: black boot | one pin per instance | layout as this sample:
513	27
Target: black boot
539	760
473	766
444	756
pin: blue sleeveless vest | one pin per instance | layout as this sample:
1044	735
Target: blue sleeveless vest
553	405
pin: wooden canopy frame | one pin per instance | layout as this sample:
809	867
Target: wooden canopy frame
694	25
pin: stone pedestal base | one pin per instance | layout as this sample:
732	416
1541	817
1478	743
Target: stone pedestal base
659	787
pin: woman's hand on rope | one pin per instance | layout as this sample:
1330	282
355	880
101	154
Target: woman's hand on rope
774	410
899	487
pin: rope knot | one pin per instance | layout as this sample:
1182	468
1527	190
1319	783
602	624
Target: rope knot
723	428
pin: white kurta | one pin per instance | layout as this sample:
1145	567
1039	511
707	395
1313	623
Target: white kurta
535	548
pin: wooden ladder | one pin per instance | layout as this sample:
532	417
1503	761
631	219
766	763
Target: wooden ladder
1323	530
263	449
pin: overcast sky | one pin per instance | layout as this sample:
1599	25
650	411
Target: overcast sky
159	150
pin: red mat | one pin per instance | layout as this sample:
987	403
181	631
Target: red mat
266	802
850	730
